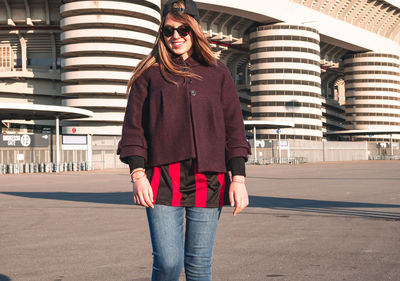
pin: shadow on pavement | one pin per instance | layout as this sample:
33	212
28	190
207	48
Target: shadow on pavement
4	278
322	178
326	207
293	204
121	198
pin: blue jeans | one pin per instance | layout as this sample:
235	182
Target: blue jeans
174	248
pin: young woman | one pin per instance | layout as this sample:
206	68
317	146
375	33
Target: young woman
183	131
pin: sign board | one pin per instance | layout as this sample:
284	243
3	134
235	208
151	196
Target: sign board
260	143
74	142
14	140
283	144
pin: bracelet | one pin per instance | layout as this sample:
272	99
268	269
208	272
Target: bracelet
137	170
133	180
238	181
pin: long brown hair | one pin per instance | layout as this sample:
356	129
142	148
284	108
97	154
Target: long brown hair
162	56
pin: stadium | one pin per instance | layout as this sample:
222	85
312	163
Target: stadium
317	79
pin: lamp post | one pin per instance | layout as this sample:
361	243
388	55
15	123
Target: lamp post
279	146
57	144
255	146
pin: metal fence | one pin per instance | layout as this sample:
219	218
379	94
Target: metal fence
28	168
276	160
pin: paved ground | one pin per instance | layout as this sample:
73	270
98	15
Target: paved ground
320	221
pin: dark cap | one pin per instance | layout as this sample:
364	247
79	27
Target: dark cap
190	9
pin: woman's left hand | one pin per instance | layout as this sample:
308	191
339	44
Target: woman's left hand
238	196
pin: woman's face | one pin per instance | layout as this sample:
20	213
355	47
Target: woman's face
180	41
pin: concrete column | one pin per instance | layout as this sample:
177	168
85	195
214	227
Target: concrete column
255	144
89	152
372	82
285	80
24	59
102	42
57	144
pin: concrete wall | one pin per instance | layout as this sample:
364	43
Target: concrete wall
329	151
333	30
104	152
103	156
313	151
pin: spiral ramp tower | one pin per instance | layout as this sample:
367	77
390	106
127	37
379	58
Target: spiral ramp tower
285	80
372	92
102	42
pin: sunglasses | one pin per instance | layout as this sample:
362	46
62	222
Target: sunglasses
183	30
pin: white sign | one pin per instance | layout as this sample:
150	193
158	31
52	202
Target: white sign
20	157
11	139
283	144
25	140
260	143
67	139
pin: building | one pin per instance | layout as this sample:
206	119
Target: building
323	65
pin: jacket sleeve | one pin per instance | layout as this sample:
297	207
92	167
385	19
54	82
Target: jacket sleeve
133	141
236	142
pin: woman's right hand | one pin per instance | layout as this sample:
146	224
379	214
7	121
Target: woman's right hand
142	191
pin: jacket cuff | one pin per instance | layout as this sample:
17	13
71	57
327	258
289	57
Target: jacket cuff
135	162
239	151
127	152
238	167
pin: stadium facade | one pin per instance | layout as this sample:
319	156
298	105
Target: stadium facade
325	66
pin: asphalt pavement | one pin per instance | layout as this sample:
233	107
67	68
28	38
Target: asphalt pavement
315	221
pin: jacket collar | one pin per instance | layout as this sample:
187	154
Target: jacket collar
190	61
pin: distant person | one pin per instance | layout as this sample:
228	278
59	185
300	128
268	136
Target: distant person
183	130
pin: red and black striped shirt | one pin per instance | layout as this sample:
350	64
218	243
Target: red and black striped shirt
181	185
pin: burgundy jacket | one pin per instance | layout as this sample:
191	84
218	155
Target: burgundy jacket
200	119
